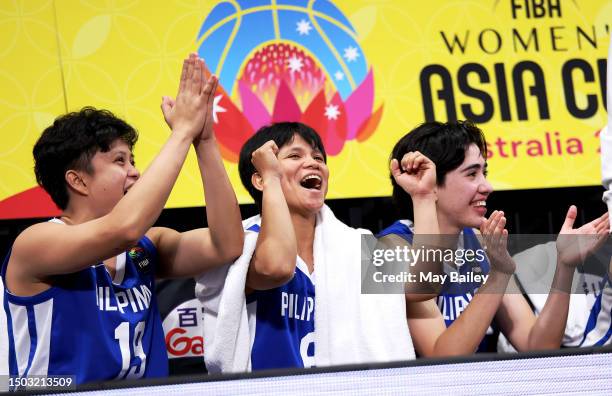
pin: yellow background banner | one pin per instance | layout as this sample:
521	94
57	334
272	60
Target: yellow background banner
531	73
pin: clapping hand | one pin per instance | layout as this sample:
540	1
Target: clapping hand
495	241
574	245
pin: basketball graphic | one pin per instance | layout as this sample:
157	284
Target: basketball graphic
287	60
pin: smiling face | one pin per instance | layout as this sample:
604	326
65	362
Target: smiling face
462	198
304	176
113	174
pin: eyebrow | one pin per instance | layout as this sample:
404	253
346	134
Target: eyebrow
296	147
302	149
123	152
474	167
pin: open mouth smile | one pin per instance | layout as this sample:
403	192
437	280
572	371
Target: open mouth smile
312	182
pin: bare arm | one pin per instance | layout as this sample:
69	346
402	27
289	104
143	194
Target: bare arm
222	210
193	252
426	325
432	338
49	249
416	174
184	254
467	331
523	329
274	260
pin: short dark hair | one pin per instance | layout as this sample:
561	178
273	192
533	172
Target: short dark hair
281	133
71	142
443	143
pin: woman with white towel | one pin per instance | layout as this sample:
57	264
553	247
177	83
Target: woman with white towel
293	299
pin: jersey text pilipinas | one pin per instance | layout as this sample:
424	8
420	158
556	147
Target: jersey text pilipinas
282	323
89	325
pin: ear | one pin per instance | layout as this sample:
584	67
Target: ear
76	182
257	181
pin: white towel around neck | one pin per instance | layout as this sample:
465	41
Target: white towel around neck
350	327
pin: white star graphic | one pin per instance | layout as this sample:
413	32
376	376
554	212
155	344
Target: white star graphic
339	75
351	54
217	108
295	64
332	112
303	27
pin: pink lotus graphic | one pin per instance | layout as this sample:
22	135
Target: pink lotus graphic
289	61
282	83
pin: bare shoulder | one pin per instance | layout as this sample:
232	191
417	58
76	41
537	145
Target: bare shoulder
392	240
162	236
22	267
155	233
427	309
36	236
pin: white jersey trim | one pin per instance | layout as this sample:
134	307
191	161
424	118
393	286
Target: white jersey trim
43	316
303	267
4	349
119	269
21	335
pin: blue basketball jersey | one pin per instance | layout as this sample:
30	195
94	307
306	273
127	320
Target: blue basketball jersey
455	296
598	327
589	321
89	326
282	322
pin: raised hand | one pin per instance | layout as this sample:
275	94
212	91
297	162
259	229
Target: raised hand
191	112
416	174
209	90
265	160
495	242
574	245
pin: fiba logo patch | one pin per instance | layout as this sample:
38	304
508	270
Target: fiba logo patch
139	257
289	60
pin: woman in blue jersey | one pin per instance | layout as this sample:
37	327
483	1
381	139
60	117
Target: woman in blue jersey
439	171
284	168
79	293
303	285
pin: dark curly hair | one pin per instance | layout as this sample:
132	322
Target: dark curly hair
282	133
71	142
443	143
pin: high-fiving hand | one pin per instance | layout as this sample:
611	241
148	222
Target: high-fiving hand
192	111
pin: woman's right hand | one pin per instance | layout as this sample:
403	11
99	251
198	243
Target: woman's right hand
416	174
